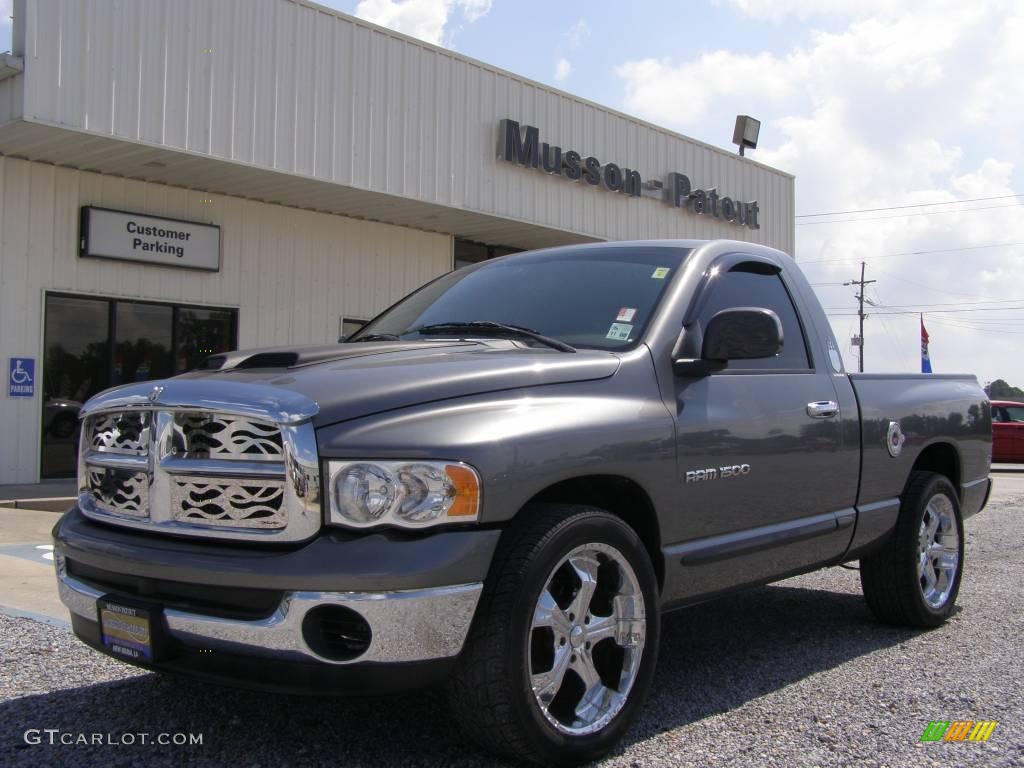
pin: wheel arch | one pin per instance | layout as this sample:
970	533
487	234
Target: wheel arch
943	459
618	495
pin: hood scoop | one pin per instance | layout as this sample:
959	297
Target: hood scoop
293	357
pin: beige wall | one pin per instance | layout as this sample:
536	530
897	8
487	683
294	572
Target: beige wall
316	95
290	273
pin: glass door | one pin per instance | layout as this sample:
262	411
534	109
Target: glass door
142	342
92	344
199	333
76	365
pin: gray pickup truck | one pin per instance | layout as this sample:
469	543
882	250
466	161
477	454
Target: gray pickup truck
503	481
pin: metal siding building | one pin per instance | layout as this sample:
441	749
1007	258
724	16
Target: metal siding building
342	162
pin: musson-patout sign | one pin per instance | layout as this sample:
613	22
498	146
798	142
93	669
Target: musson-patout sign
521	145
151	239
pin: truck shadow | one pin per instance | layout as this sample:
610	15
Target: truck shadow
714	657
719	655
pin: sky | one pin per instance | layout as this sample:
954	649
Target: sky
914	109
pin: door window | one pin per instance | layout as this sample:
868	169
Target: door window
752	285
1014	415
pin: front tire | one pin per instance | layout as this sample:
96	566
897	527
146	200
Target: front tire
564	644
914	579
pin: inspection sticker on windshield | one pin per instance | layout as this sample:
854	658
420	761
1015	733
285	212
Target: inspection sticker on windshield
619	331
626	314
660	273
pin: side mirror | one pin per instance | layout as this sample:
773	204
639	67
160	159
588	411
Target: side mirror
743	333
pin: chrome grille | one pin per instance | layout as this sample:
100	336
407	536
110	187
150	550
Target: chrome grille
165	460
248	503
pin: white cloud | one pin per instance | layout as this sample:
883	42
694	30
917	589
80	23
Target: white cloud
424	19
777	9
682	94
562	70
574	37
475	9
897	105
577	34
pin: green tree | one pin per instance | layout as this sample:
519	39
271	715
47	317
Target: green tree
1000	390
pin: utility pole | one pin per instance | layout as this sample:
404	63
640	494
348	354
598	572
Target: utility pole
860	297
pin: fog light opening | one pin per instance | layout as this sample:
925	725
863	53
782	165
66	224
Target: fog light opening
336	632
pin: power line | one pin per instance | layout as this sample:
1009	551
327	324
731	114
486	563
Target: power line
901	207
942	303
933	288
889	339
905	215
931	311
946	323
914	253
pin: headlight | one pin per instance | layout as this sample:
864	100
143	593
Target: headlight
411	494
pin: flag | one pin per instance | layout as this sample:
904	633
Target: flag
926	363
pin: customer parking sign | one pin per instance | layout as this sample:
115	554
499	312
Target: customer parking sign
21	378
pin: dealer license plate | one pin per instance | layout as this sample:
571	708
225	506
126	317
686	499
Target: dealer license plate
126	630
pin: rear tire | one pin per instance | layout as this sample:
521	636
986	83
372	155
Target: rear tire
913	580
563	647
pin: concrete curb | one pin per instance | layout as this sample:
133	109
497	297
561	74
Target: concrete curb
57	504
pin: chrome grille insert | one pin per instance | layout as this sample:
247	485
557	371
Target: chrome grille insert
119	491
214	436
171	458
250	503
122	433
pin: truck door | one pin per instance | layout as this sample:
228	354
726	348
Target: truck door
766	481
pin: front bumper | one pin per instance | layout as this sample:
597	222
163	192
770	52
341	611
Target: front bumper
416	625
213	627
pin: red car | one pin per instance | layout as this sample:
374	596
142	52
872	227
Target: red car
1007	431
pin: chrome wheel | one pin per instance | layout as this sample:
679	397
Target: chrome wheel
586	639
938	551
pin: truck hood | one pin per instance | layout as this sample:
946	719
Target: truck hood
348	381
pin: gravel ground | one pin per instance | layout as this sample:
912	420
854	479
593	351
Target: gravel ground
793	674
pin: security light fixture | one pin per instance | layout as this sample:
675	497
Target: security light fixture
745	133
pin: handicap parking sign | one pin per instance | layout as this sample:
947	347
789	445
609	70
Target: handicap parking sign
21	379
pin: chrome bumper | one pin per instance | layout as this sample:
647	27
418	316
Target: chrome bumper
413	625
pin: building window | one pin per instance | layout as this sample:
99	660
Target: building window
468	252
91	344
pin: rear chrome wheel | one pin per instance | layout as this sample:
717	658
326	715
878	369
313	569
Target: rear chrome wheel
586	639
938	551
914	578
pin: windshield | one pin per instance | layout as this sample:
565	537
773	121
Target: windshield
600	299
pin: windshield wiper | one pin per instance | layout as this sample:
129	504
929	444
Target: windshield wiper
490	328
